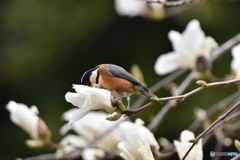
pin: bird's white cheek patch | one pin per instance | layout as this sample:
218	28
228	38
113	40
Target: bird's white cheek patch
93	77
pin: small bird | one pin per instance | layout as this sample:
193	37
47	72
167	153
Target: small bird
113	77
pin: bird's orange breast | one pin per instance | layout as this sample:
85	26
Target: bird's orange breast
110	82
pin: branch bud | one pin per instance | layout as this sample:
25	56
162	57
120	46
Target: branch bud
202	83
121	106
155	99
37	143
193	141
114	117
180	100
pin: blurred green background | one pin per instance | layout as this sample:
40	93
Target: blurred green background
45	47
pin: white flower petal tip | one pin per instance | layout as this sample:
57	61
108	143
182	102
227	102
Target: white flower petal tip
93	154
235	64
136	142
88	99
183	146
133	8
192	50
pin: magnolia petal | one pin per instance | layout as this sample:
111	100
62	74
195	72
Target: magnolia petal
74	140
236	52
188	46
101	100
93	154
235	64
130	8
207	46
79	115
140	147
22	116
125	151
91	98
183	146
167	63
65	128
135	141
180	149
145	151
186	136
133	8
34	110
75	98
192	39
67	115
174	37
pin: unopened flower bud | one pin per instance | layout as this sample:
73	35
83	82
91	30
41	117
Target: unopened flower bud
43	130
237	144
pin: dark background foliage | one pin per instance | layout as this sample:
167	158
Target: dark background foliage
45	47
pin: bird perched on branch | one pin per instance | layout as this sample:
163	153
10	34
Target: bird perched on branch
113	77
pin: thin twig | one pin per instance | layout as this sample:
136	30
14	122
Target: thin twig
159	117
184	96
221	118
170	3
225	47
207	136
163	82
216	53
232	116
212	109
43	157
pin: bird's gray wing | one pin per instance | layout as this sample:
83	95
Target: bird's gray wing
121	73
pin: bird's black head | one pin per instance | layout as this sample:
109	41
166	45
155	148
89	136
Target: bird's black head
85	80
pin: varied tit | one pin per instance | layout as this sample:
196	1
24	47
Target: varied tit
113	77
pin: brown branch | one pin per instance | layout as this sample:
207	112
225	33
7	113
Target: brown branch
221	118
225	47
163	82
170	3
217	106
206	137
184	96
216	53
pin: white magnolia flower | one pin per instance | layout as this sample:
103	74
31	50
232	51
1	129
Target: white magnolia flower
183	146
192	49
27	119
24	117
235	65
91	126
88	99
136	142
133	8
